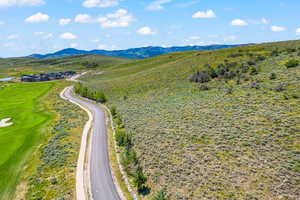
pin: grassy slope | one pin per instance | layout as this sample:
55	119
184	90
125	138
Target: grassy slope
21	102
18	66
209	144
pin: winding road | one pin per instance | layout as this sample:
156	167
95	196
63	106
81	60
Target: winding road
100	181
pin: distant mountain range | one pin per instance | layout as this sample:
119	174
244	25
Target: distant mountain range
135	53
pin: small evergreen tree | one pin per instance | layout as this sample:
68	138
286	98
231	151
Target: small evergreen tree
113	111
139	179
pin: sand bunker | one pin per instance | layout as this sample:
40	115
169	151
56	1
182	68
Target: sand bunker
5	123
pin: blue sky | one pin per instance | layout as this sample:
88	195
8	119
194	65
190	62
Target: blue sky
42	26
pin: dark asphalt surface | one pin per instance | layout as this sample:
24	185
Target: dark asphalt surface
103	187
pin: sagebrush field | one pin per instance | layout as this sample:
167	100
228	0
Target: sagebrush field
234	136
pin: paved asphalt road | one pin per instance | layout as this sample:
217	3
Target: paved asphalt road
102	185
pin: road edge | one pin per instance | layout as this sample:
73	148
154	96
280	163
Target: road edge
121	169
83	185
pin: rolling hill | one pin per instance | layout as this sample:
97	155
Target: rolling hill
18	66
135	53
218	124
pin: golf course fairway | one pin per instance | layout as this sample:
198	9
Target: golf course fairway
22	103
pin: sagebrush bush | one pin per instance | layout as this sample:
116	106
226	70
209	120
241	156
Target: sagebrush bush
292	63
272	76
200	76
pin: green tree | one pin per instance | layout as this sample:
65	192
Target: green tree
292	63
139	179
113	111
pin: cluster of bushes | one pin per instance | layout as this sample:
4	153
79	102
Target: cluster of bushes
54	154
129	157
226	70
90	65
235	55
292	63
89	93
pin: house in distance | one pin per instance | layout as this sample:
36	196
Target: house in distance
47	76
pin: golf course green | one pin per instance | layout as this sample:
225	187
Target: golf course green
22	103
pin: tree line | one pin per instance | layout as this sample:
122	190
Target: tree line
90	93
129	159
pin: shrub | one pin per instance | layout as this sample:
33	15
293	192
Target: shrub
275	53
260	58
244	68
255	85
229	90
230	74
161	195
200	77
231	64
234	55
292	63
251	62
221	70
273	76
203	87
129	159
123	138
139	179
113	111
212	73
253	71
280	87
291	50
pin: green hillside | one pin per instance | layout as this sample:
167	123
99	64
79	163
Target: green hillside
17	66
236	136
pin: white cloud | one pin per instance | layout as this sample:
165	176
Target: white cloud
9	3
48	35
105	47
13	37
83	18
194	38
239	22
2	22
230	38
39	17
204	14
68	36
31	2
44	35
100	3
265	21
121	18
158	4
95	40
64	21
73	45
298	31
145	31
277	28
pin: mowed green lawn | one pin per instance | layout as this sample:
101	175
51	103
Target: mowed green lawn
22	103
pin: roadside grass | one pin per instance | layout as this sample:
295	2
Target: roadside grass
113	158
22	103
237	140
52	174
